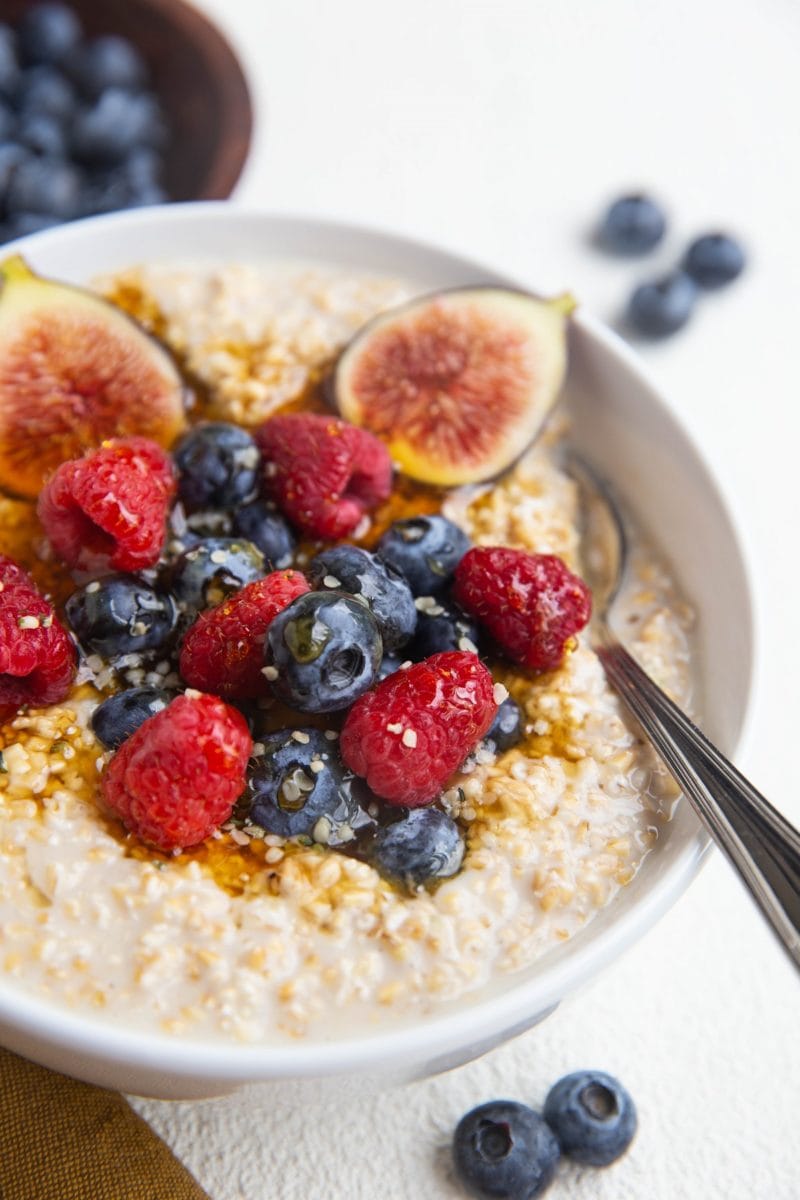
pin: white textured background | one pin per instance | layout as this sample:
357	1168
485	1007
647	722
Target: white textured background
500	129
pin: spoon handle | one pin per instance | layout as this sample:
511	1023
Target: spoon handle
761	844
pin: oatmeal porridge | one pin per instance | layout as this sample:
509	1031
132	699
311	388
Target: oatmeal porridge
254	935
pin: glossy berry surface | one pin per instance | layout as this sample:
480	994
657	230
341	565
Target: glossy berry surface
384	590
504	1149
593	1117
441	626
176	779
120	715
408	735
218	466
121	614
262	525
662	306
324	650
714	260
324	474
425	844
507	728
299	787
37	656
531	604
426	549
632	225
212	570
108	510
223	651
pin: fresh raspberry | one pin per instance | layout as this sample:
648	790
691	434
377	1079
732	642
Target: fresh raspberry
177	778
37	656
408	735
531	604
223	652
109	509
322	473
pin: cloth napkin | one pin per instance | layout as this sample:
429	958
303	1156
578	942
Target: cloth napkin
64	1140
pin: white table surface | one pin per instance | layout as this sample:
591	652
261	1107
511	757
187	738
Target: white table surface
500	130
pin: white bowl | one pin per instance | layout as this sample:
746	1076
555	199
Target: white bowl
622	426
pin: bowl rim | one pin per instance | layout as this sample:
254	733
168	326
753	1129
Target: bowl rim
234	1062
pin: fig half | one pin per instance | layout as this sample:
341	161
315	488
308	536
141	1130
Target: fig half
458	383
74	371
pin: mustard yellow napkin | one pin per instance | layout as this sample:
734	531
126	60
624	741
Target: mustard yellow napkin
64	1140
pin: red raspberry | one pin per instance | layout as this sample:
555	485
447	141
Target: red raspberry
177	778
323	473
408	735
37	656
109	509
223	652
531	604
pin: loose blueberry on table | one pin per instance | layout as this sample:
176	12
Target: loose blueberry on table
326	599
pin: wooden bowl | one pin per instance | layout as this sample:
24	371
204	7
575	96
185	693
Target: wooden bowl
198	79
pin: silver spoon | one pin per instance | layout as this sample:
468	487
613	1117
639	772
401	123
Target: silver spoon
762	845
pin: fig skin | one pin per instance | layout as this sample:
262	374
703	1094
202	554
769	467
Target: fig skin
457	383
74	372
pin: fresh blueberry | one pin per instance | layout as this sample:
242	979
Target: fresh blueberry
121	715
8	123
425	844
218	466
108	62
505	1149
426	549
714	260
299	787
120	614
146	195
212	570
23	224
142	167
632	225
592	1115
9	64
11	155
389	664
44	91
114	126
326	649
663	306
507	728
375	582
106	192
268	530
48	33
42	135
441	627
44	186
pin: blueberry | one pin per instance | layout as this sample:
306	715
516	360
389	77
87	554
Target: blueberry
142	167
46	186
632	225
23	224
299	787
714	260
389	664
114	126
121	715
425	844
507	728
214	569
8	123
218	466
42	135
663	306
382	588
268	530
505	1149
9	64
48	33
120	614
426	549
592	1115
326	649
108	62
44	91
146	195
107	192
441	627
11	155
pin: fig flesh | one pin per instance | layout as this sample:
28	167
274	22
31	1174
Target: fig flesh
74	371
457	384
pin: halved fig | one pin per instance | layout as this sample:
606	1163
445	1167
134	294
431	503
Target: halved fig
458	383
74	371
